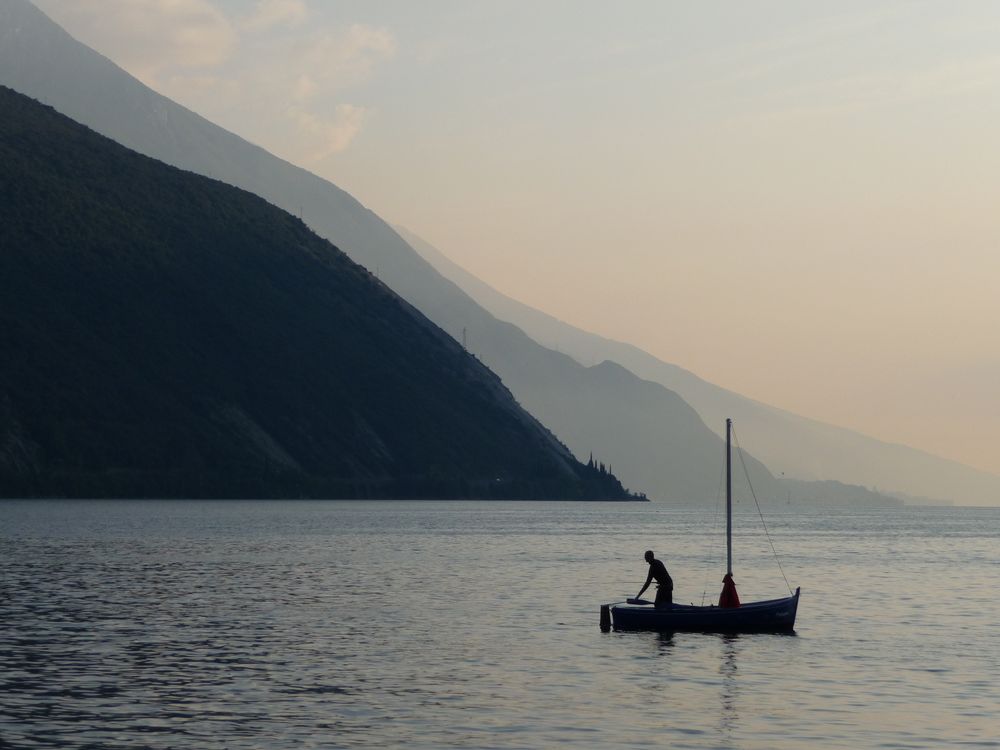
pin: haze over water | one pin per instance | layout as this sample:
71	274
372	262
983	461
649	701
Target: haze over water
359	624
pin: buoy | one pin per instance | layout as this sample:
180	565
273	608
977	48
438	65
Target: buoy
605	618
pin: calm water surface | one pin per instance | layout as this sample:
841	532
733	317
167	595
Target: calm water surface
432	625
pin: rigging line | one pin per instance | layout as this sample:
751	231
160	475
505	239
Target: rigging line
739	450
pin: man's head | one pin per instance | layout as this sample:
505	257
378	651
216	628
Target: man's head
649	555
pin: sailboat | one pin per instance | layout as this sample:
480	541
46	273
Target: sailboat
730	616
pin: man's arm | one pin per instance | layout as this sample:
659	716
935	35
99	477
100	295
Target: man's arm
645	586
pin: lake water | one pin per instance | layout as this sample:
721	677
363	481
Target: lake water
475	625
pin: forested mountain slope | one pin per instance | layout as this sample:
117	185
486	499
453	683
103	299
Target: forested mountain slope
164	334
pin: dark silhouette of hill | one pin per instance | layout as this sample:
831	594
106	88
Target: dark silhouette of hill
649	434
164	334
38	58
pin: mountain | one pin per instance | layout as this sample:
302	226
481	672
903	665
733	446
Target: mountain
796	446
647	433
167	334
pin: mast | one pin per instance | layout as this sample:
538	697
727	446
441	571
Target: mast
729	499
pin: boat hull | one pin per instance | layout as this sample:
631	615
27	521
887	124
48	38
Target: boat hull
772	616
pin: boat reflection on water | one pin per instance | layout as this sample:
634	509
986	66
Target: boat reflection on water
665	643
711	661
729	688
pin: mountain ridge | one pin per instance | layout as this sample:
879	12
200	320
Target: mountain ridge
166	334
936	478
62	72
572	400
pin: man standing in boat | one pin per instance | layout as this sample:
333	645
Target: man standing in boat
664	583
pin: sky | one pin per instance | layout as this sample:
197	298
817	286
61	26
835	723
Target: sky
796	201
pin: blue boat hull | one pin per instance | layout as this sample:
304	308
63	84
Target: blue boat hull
772	616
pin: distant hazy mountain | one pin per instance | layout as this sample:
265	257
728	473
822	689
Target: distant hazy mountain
167	334
653	440
796	446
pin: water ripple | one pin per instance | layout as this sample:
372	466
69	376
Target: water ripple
436	625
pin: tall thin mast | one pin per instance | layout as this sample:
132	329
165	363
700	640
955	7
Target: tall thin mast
729	499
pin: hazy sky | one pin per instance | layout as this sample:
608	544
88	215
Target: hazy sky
798	201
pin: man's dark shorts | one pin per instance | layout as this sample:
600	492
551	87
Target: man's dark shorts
664	596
